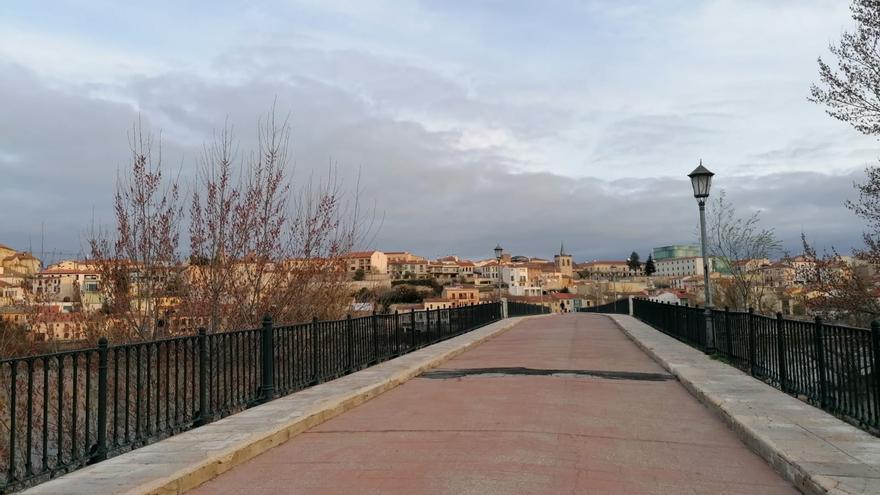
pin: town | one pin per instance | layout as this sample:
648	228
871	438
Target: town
51	303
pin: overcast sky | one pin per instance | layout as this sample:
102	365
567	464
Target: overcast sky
472	122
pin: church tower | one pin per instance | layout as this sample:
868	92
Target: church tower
563	262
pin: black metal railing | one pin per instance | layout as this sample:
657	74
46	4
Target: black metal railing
59	412
620	306
516	308
834	367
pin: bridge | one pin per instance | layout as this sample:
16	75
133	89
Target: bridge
571	403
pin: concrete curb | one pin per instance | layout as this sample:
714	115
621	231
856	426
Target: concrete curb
816	452
185	461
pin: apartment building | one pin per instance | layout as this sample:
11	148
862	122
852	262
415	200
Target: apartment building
368	261
681	267
461	296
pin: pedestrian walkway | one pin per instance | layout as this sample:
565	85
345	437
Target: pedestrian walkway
563	404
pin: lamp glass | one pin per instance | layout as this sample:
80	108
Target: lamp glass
498	251
701	180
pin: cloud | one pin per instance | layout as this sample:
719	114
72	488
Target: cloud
465	132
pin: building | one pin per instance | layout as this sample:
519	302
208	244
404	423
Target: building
11	293
561	302
487	269
59	326
563	262
671	297
676	251
374	262
461	296
17	268
14	315
516	277
444	270
67	281
435	303
606	269
466	270
408	269
681	267
402	257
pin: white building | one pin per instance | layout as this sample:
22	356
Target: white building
517	280
681	267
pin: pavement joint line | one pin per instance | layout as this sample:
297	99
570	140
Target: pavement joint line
822	457
307	408
446	374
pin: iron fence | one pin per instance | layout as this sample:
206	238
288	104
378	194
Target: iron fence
516	308
620	306
59	412
834	367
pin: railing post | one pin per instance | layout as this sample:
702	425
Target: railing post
819	345
101	448
875	350
750	340
374	327
267	388
412	337
428	326
349	343
396	332
204	407
780	353
316	374
729	341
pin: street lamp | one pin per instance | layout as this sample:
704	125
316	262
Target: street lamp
701	180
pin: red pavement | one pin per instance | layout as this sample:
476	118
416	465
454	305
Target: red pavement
499	434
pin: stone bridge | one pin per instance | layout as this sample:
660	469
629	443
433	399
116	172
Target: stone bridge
573	403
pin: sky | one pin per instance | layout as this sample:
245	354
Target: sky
470	123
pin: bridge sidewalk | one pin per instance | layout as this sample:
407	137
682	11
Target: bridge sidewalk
561	404
816	451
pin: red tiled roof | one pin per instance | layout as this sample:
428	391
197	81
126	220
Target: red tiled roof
359	254
63	271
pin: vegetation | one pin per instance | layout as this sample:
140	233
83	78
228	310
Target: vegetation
650	269
737	241
436	286
259	242
850	93
633	262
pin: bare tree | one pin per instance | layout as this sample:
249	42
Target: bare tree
139	263
851	91
215	239
837	290
738	243
261	243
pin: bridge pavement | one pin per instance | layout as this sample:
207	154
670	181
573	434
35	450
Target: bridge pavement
562	404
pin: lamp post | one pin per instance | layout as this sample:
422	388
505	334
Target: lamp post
498	252
701	180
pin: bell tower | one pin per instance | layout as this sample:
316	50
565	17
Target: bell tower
563	262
